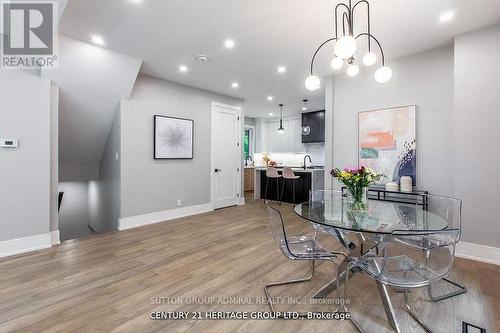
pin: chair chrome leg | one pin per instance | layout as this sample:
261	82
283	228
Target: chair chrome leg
414	315
353	321
268	295
388	308
461	290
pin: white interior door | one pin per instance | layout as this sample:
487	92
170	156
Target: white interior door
226	156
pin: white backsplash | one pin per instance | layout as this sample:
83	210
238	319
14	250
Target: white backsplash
294	159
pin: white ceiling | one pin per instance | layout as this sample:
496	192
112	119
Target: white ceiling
267	33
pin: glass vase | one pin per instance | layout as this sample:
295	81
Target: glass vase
357	199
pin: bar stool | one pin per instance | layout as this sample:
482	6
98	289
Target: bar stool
272	172
288	175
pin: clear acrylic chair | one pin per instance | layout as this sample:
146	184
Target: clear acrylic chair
413	259
297	248
317	198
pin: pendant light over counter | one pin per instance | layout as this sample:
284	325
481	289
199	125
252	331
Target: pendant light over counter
346	44
306	129
281	130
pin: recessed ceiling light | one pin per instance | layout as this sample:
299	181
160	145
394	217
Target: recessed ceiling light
229	43
235	85
271	114
97	40
281	69
270	98
183	68
446	16
135	1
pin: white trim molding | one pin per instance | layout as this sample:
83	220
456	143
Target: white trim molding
55	238
26	244
487	254
131	222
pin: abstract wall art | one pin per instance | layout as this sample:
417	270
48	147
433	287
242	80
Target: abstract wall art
387	142
173	138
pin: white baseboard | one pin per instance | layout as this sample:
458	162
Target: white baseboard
241	201
26	244
162	216
55	239
488	254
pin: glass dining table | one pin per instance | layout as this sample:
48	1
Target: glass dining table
368	228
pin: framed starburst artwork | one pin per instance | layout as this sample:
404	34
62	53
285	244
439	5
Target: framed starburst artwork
173	138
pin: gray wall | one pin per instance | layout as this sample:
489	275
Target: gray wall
25	175
424	79
104	194
74	213
477	133
149	185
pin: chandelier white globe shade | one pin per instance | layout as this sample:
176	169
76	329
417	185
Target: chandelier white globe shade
345	47
281	131
313	83
337	63
383	74
353	70
370	59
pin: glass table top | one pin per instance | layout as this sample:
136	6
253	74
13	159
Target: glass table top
382	217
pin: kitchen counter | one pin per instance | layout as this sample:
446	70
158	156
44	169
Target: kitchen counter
312	178
295	169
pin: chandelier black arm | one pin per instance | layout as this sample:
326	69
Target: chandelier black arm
379	46
336	17
317	50
344	17
368	19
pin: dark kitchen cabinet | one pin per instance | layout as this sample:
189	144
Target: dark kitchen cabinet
316	121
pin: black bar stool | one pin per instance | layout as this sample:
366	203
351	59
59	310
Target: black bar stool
272	173
288	175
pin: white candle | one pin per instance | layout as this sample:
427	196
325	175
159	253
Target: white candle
406	184
394	187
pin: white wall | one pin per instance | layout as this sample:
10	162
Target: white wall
104	194
477	133
54	161
424	79
149	185
25	177
74	213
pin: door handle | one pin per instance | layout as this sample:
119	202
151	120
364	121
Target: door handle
218	170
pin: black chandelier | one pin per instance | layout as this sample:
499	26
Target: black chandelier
346	46
281	130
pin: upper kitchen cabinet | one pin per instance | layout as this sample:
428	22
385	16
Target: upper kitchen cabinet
289	141
316	122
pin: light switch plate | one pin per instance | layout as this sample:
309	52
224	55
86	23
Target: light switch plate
8	143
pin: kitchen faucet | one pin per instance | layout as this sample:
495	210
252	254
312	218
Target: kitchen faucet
305	157
246	159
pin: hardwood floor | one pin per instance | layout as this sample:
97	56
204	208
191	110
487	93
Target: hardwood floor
111	282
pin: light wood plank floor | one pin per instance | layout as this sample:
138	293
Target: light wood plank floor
107	282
